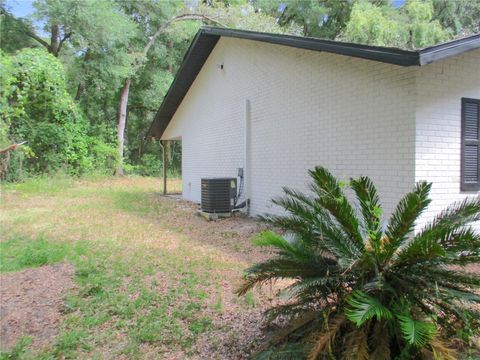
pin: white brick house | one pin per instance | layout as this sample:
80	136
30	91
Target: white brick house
279	105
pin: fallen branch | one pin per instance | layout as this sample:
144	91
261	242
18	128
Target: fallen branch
11	147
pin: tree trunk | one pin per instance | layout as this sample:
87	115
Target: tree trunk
54	40
122	117
122	108
81	83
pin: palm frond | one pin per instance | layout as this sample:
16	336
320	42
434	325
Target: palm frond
416	332
324	286
323	338
271	239
455	277
402	221
289	351
331	197
452	244
364	307
447	234
369	202
356	278
453	217
290	223
301	213
294	325
441	283
294	309
335	241
297	204
356	346
441	350
380	342
280	268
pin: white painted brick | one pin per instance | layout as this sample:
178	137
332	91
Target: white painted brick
440	87
357	117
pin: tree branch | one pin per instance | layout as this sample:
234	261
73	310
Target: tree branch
183	17
37	38
65	38
11	147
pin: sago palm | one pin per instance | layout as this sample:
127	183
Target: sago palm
364	289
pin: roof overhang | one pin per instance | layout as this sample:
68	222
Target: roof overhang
207	37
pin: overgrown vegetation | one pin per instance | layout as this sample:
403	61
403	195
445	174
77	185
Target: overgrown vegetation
362	289
39	109
80	79
110	63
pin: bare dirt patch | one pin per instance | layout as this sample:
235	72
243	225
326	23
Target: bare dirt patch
232	236
32	303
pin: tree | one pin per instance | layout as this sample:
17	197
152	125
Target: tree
85	24
461	17
37	107
317	18
124	96
159	23
13	32
411	26
363	289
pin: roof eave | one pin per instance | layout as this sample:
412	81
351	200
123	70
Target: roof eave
376	53
449	49
207	37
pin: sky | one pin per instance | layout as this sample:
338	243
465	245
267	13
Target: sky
20	8
24	8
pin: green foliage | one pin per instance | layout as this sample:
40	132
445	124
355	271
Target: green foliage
246	16
363	308
370	24
314	18
6	89
411	26
91	24
40	110
13	32
362	286
100	44
416	333
149	166
461	17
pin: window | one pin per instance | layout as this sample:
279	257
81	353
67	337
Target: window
470	164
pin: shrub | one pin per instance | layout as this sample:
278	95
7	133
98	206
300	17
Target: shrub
362	289
150	165
104	156
37	107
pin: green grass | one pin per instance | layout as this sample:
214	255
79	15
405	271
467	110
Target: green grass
43	185
136	288
19	351
20	252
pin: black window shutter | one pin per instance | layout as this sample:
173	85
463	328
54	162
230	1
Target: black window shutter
470	164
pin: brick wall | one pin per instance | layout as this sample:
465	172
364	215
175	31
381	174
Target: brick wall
440	87
306	108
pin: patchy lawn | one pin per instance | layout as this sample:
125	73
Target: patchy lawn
109	269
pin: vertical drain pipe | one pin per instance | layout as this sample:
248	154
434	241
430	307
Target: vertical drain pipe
246	155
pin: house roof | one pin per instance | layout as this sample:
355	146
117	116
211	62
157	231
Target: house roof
207	37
